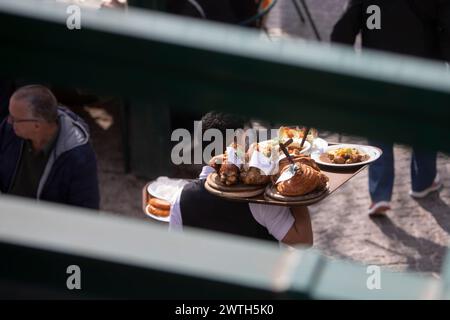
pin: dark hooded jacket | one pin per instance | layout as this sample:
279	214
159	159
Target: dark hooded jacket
70	176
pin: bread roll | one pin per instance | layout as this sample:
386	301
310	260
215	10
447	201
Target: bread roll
159	204
158	212
297	159
305	180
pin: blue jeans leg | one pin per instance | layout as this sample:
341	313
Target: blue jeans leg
423	169
381	173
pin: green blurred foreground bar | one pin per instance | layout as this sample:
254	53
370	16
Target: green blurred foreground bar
123	258
200	65
126	258
446	277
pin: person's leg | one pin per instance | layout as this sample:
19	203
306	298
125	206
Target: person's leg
381	174
423	172
381	178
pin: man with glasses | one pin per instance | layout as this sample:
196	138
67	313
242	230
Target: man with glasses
45	151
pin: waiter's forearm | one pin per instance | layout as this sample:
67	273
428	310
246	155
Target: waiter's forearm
301	231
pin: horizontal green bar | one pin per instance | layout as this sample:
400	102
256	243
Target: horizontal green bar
446	277
235	264
202	65
174	265
344	280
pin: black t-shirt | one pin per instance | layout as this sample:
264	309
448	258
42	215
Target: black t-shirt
201	209
31	167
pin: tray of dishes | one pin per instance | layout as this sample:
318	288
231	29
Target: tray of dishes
258	174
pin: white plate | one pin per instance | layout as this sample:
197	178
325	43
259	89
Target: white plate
165	188
163	219
373	152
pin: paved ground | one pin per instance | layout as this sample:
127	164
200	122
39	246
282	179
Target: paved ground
415	234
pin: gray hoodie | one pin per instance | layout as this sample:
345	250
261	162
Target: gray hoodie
73	132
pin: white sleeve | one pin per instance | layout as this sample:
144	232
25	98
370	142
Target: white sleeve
206	170
176	222
276	219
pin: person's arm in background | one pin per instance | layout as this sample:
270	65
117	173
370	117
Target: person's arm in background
84	187
444	22
301	231
244	9
349	25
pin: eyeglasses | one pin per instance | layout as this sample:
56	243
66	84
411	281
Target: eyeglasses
13	120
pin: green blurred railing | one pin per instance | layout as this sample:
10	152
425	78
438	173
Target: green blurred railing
127	258
157	59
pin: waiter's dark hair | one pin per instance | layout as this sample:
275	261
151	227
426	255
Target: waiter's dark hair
41	101
211	120
222	121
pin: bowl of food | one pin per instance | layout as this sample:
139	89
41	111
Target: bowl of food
347	155
294	149
297	133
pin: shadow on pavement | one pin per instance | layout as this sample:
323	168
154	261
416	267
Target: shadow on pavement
438	209
428	256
